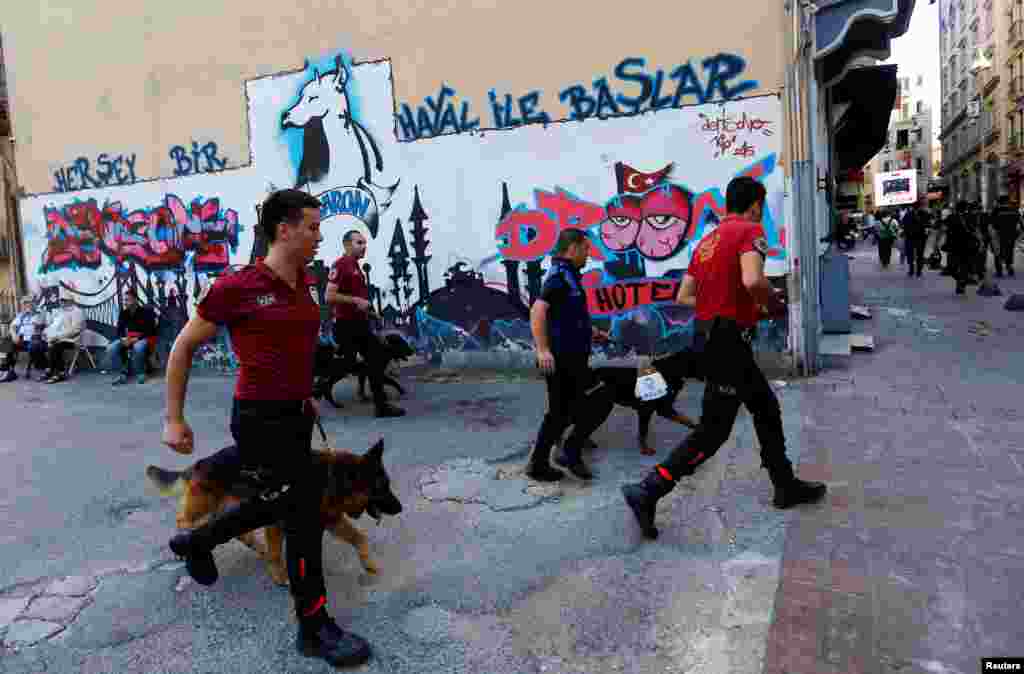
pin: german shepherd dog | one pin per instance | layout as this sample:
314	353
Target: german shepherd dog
675	369
332	365
355	484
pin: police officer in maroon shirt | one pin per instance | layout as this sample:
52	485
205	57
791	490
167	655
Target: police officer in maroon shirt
726	284
274	324
347	291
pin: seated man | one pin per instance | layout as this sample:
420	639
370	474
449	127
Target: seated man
136	330
26	334
64	332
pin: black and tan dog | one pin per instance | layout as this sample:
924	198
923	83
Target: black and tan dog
675	369
332	365
355	484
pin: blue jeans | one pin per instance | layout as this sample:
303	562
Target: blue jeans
138	363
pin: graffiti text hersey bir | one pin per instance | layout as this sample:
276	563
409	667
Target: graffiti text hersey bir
632	89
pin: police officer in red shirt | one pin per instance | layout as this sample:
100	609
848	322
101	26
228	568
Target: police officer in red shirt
727	285
273	323
348	292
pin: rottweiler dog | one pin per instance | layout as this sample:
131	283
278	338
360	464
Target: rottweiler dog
355	484
332	365
675	369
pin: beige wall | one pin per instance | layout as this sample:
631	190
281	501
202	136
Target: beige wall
91	77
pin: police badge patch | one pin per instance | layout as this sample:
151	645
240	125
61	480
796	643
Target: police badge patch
761	246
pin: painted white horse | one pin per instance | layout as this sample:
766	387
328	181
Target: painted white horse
329	128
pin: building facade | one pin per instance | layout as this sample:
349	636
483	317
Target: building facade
979	88
12	273
909	141
459	161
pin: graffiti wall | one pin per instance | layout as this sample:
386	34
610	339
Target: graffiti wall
461	215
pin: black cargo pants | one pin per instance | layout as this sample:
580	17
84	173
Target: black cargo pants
575	397
733	378
273	450
1007	244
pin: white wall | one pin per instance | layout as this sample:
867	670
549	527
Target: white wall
567	165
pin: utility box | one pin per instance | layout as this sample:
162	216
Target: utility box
835	293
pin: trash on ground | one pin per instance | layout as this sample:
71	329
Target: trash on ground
862	342
860	312
979	328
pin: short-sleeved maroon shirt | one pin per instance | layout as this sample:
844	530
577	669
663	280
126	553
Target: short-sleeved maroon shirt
273	330
345	273
716	268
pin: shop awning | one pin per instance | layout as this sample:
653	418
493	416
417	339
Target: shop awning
847	29
868	94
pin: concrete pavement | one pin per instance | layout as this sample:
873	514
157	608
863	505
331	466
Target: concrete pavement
484	572
917	565
912	565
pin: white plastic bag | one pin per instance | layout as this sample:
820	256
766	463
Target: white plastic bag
650	385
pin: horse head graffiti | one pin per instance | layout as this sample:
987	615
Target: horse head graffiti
330	131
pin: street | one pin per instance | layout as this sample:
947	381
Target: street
913	564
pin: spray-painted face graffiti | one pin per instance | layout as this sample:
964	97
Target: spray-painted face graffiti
656	224
620	230
666	219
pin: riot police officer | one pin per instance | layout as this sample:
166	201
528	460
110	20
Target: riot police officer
726	284
1007	224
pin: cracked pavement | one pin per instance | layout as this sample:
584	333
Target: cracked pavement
485	571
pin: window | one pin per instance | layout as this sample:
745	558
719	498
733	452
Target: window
886	166
902	138
919	164
920	107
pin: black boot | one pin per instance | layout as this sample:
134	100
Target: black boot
198	557
796	491
196	546
642	499
320	637
540	469
571	458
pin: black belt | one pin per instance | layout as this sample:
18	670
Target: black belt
707	328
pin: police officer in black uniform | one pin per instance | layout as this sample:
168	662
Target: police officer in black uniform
1007	225
726	284
563	332
963	245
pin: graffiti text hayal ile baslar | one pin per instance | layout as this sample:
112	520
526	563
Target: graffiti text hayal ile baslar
721	80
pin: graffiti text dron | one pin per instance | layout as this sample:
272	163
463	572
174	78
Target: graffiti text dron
202	159
720	79
109	170
81	234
